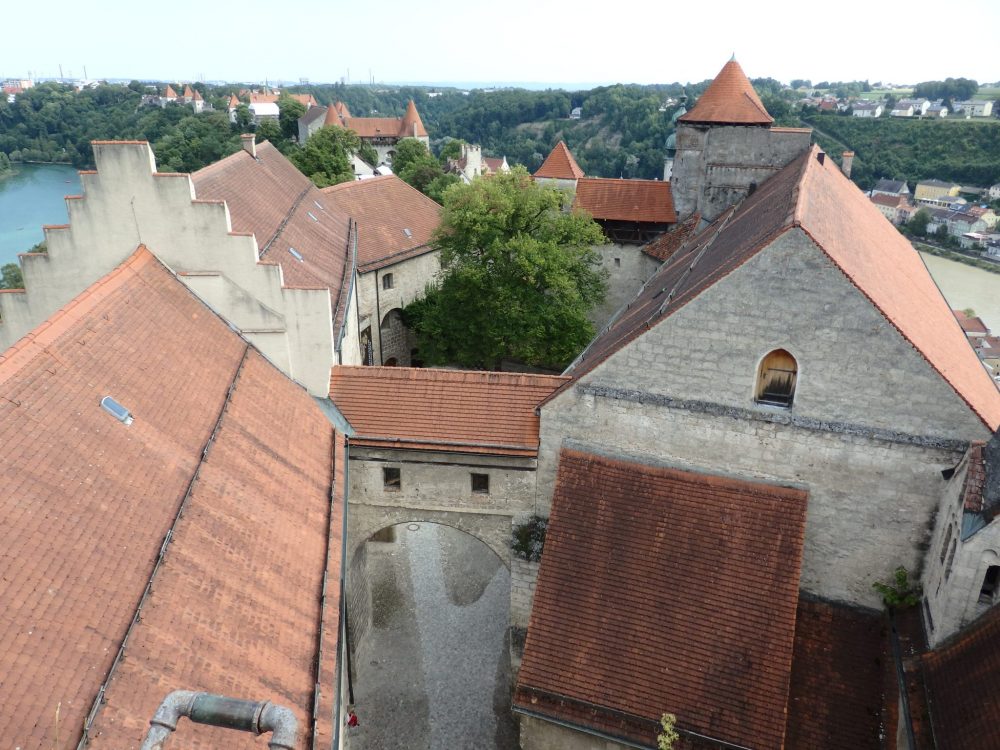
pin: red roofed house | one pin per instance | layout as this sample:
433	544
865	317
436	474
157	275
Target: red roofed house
382	133
472	164
394	260
559	168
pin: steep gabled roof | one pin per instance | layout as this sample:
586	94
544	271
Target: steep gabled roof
730	99
411	125
626	200
663	247
850	230
442	410
665	590
89	504
268	197
170	93
560	165
395	220
314	113
188	93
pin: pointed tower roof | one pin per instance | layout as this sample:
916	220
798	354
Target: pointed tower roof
333	116
342	109
411	126
560	165
188	93
197	96
234	101
729	100
170	92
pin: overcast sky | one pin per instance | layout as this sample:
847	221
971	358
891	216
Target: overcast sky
579	41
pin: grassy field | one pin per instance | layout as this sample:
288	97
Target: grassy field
987	93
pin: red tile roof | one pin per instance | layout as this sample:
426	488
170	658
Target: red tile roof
560	165
411	125
842	681
444	410
963	687
666	590
973	325
663	247
891	201
268	197
170	93
384	207
408	126
729	100
841	220
626	200
88	502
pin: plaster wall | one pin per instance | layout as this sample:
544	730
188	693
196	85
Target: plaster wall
624	278
871	427
715	166
410	278
537	734
956	567
126	204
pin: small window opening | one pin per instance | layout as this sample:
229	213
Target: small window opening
776	379
951	559
618	262
387	281
988	592
947	541
481	484
927	616
391	480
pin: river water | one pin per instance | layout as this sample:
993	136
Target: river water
966	286
29	199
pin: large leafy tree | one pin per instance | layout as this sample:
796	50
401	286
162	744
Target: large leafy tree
325	157
519	274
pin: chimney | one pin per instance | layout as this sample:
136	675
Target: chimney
821	157
847	163
249	144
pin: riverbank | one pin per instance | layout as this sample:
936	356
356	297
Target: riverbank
959	256
33	196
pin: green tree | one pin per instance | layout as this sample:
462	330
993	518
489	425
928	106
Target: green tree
270	130
325	156
918	223
10	276
519	274
451	150
900	592
243	117
436	188
4	163
367	153
668	733
408	150
289	112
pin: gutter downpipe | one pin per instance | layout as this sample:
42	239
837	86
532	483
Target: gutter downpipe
219	711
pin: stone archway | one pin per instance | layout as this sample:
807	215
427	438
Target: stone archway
397	341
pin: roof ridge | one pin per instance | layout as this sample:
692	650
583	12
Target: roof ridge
412	373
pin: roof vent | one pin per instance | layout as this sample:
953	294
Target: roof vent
116	410
295	254
821	157
408	233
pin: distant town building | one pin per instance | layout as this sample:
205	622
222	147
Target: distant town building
867	109
974	108
472	164
382	133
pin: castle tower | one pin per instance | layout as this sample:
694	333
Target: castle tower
727	145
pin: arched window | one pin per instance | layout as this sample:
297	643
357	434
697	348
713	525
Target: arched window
387	281
776	379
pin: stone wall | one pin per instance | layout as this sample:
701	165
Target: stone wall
956	567
715	166
409	280
627	268
523	577
127	204
871	427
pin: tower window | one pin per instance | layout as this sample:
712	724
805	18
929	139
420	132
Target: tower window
391	480
987	594
387	281
776	379
481	484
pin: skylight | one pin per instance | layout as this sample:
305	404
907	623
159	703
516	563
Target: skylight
116	410
408	233
295	254
319	206
310	215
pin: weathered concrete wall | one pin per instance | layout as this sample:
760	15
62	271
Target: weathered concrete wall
537	734
715	166
409	280
627	269
126	204
955	569
871	427
437	488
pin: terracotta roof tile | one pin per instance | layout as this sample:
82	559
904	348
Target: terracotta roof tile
269	197
560	165
842	221
963	687
974	483
666	590
663	247
407	126
729	100
384	207
453	410
839	692
88	501
411	125
626	200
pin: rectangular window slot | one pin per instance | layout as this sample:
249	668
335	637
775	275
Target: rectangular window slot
311	216
295	254
481	484
319	206
391	480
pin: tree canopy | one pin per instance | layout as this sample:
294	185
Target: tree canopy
325	157
519	275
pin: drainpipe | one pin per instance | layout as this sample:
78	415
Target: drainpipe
220	711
